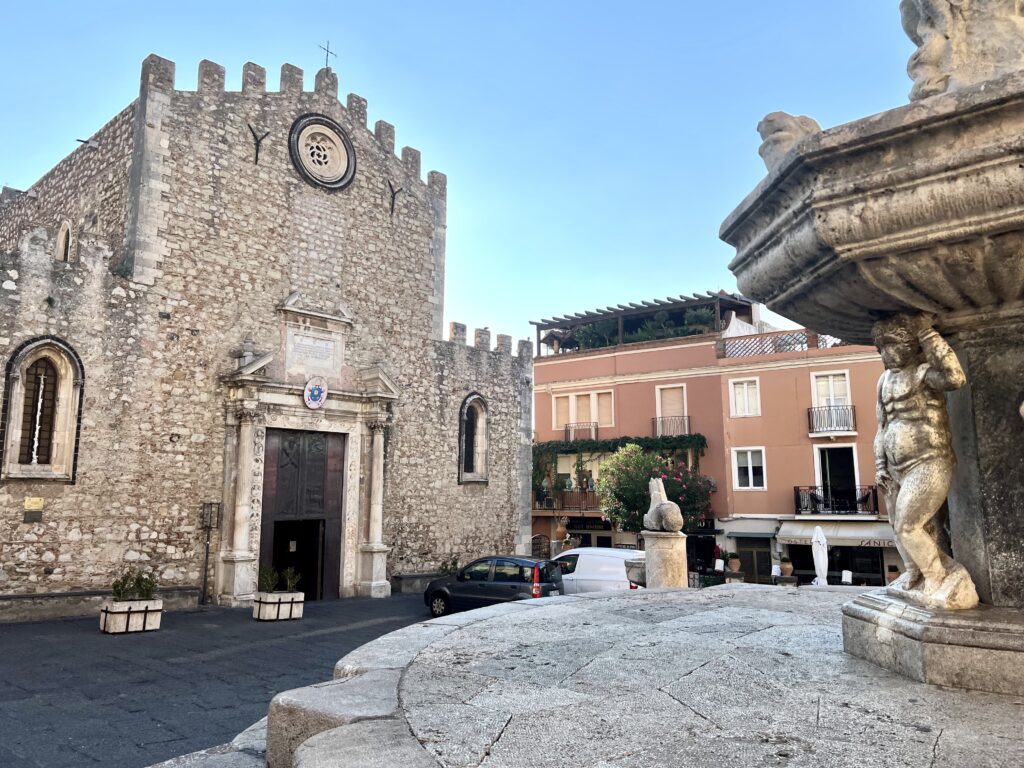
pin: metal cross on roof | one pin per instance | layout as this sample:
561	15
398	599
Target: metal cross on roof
327	54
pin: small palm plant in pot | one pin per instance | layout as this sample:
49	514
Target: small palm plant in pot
133	605
271	604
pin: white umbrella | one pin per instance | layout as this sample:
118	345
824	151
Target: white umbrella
819	550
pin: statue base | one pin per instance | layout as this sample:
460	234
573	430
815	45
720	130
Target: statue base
665	554
979	649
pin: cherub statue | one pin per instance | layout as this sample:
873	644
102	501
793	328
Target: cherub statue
914	457
663	515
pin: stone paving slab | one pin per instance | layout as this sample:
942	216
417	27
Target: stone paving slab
71	697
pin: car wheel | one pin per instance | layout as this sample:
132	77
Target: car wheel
439	605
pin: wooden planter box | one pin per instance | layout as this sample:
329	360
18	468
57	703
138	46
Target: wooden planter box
278	606
119	617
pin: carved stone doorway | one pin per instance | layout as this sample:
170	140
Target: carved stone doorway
303	489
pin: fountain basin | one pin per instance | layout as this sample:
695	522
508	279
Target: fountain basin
918	209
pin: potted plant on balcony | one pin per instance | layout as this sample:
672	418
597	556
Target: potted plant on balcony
273	605
133	606
733	561
786	566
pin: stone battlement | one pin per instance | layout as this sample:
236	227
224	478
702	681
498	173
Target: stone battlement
158	74
482	340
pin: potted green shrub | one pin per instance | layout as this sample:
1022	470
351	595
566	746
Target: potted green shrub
133	606
733	561
786	566
270	604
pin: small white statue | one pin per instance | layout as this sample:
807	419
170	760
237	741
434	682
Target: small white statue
663	515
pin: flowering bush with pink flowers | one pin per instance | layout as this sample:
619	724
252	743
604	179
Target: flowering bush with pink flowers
623	487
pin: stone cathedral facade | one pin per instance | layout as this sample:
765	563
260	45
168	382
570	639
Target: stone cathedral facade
221	325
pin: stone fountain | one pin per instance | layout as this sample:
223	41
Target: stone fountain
906	229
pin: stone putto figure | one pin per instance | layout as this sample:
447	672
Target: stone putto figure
663	515
961	42
780	132
914	457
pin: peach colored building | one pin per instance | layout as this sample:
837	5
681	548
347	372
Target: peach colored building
788	418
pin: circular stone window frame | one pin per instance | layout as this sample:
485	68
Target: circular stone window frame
315	119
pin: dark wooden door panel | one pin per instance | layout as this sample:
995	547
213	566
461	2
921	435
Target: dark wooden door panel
304	481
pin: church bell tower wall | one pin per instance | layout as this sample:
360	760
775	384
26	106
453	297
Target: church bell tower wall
194	228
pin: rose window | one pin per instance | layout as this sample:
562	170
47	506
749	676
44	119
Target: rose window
322	152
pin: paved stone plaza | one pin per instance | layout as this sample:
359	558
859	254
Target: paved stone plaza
729	676
72	697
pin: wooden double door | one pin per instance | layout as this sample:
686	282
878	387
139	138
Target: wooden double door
303	489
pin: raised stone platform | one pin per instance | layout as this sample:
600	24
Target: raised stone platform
980	649
737	675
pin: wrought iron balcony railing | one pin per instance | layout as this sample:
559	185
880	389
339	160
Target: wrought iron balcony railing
832	418
581	430
666	426
825	500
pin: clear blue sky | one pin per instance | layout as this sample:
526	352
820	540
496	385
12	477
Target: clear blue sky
592	148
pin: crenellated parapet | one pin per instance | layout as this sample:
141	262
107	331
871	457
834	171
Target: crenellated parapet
457	336
158	75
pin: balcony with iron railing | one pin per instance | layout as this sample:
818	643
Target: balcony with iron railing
581	430
826	500
828	419
667	426
577	500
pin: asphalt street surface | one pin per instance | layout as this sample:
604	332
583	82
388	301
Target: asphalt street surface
72	697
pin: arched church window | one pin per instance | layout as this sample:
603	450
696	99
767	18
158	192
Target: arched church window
41	411
38	412
64	243
473	439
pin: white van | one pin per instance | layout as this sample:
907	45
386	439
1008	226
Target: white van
595	569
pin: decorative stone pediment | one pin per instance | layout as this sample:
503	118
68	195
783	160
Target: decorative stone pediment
374	382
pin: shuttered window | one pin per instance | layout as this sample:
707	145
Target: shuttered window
672	403
583	409
561	412
605	415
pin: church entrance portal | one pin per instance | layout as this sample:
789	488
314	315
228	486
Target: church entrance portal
303	488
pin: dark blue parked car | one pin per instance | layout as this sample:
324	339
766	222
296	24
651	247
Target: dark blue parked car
490	580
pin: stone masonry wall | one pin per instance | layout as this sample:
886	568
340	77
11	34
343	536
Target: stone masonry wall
214	243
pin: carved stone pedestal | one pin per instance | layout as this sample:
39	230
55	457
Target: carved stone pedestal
981	648
238	579
375	561
665	553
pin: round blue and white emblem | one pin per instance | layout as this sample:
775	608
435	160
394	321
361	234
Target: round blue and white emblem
315	393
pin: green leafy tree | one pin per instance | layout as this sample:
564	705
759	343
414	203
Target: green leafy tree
624	491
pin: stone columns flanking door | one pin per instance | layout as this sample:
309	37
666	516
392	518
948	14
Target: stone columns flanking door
239	580
375	581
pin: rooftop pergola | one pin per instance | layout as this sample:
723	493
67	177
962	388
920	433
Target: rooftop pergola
559	332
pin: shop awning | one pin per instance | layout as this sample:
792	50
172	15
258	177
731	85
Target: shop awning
844	534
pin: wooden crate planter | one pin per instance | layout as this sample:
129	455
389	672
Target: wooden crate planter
278	606
119	617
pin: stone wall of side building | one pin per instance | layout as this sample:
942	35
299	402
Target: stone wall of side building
184	245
